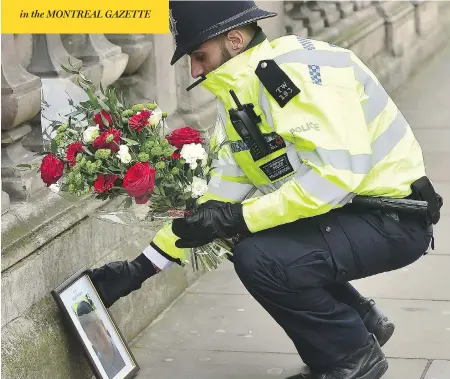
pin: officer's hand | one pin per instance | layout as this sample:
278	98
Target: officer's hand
117	279
213	219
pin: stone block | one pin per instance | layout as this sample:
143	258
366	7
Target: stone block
347	8
136	46
328	10
400	25
426	14
22	286
311	19
38	346
31	339
29	310
158	80
35	223
5	202
438	370
363	33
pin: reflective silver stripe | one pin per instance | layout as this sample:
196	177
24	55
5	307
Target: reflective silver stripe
316	57
387	140
321	188
360	163
229	190
265	106
316	185
339	159
377	96
227	169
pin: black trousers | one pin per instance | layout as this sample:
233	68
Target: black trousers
299	273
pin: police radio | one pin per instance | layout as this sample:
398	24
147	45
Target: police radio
245	122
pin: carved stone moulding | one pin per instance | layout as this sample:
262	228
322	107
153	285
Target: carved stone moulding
426	13
137	46
400	25
328	11
21	101
300	11
96	49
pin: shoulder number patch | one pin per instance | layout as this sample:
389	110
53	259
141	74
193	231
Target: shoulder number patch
277	83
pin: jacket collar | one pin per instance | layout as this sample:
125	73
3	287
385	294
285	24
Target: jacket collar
239	71
257	39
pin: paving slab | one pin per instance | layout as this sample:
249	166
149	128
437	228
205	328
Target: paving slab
438	370
422	328
420	119
238	323
217	322
437	165
222	281
442	236
443	188
205	364
434	140
428	278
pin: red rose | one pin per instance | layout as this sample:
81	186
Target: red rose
101	143
52	169
176	155
139	181
184	136
139	120
72	150
99	121
104	183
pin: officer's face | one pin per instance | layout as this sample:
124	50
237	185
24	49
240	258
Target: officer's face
209	56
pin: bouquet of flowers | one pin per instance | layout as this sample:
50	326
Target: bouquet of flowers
108	148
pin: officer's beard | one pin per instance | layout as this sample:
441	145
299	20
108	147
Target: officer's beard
225	54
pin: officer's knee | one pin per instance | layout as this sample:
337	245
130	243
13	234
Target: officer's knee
246	259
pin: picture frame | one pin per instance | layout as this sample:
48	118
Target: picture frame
103	344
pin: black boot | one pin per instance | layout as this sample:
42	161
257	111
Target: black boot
378	324
368	362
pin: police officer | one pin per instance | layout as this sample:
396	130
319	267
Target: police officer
329	132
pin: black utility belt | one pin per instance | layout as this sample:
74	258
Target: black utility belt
423	201
417	207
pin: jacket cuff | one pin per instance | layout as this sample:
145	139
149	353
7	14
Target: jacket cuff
157	257
238	219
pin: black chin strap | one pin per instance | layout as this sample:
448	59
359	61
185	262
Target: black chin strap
196	83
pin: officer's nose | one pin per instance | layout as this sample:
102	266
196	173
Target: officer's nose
196	69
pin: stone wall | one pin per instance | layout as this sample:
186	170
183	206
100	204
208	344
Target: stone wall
46	238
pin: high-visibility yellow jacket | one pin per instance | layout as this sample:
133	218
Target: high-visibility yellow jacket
344	136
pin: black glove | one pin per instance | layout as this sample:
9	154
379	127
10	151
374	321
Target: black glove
117	279
213	219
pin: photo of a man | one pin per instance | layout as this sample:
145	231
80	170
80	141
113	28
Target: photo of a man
99	337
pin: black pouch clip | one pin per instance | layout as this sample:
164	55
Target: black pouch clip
424	190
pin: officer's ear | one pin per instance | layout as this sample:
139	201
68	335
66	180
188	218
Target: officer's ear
236	39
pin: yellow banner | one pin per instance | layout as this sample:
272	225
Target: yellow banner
85	16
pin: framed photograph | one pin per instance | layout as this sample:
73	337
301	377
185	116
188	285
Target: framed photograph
91	323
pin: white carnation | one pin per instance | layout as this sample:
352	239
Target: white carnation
192	153
198	187
155	117
90	133
123	154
